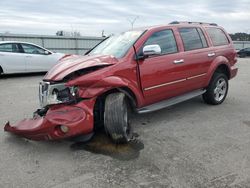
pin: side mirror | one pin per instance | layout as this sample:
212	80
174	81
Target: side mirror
150	50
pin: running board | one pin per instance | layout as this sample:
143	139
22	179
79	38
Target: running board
170	102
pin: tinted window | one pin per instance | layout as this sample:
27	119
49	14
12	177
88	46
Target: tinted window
217	36
193	38
165	39
30	49
9	48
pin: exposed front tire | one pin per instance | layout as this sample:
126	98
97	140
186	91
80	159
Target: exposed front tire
217	90
117	115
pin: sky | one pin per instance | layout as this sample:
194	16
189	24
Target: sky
90	17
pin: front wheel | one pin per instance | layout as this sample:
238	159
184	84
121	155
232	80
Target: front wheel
217	90
117	115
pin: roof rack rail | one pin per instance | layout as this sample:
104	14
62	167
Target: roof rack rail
201	23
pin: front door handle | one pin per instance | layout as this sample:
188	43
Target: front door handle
211	54
178	61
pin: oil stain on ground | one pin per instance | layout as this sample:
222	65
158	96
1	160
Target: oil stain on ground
102	144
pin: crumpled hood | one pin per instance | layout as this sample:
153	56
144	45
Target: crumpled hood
76	62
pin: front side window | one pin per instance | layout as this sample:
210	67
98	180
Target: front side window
193	38
31	49
165	39
9	48
217	36
117	45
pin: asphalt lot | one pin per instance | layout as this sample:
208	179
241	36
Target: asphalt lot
188	145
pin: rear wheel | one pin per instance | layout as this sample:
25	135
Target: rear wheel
1	70
217	90
117	115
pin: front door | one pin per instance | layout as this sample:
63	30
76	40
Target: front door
163	76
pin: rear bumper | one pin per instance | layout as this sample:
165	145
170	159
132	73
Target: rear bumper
78	119
234	71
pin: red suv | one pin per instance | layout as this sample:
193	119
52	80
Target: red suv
142	70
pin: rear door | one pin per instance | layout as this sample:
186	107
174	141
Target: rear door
11	60
197	54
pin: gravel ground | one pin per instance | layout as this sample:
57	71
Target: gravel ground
188	145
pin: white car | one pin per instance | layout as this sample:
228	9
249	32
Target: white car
23	57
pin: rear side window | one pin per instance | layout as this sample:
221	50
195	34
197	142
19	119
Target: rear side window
193	38
9	48
165	39
217	36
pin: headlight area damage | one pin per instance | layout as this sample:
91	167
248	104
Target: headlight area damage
66	110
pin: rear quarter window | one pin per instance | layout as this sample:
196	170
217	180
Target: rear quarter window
217	36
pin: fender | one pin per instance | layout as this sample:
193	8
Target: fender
109	83
220	60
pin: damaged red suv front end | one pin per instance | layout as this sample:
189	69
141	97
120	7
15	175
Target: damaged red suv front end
66	108
72	93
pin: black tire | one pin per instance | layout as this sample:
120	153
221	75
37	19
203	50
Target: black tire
117	118
1	70
216	94
242	55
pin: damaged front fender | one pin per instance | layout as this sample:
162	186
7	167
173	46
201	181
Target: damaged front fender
101	85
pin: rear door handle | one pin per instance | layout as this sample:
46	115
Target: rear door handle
211	54
29	56
178	61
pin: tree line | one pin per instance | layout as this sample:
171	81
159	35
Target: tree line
240	37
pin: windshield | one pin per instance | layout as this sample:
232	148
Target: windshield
117	45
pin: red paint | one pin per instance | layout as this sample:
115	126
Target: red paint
78	118
65	56
126	72
74	63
